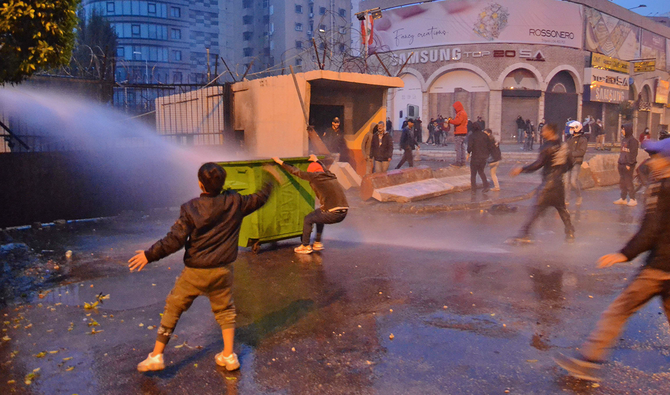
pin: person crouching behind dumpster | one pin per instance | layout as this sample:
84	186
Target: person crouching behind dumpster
209	228
330	193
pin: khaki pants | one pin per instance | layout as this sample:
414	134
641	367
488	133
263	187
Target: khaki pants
215	283
600	141
648	283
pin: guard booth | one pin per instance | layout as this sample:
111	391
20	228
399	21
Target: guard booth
267	111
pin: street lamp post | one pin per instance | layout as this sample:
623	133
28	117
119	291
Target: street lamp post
640	6
146	66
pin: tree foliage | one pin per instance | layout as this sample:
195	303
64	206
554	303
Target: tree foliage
35	35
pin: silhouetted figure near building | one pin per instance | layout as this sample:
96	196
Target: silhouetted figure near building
478	148
407	144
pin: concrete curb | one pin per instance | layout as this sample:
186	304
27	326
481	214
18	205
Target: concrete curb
485	204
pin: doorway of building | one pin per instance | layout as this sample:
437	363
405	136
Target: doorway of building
321	117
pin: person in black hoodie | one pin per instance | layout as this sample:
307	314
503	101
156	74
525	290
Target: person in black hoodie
478	148
330	193
496	157
407	143
652	280
554	160
626	166
578	143
209	229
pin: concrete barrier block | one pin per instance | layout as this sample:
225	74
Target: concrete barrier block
393	177
412	191
342	177
451	171
460	183
604	169
585	177
350	173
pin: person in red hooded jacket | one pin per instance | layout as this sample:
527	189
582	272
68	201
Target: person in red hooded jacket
460	123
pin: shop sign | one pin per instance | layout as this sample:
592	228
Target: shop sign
605	62
607	86
456	54
662	90
645	66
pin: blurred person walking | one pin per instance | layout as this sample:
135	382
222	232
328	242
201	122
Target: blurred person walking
578	144
381	150
495	158
626	166
407	144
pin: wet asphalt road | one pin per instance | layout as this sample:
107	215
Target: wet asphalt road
467	313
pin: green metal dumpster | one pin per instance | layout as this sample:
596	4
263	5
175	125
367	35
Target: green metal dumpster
282	216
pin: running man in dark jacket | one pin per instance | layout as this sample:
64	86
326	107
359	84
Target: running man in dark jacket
331	195
478	148
577	143
209	229
626	166
652	280
554	160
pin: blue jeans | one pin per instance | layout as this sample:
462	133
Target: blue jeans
572	179
459	145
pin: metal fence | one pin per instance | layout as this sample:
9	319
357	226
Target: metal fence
187	114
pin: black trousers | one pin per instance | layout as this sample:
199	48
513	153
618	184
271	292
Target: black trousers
477	166
407	156
626	181
320	218
553	196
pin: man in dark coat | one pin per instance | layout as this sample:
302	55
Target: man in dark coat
478	148
626	166
381	150
407	144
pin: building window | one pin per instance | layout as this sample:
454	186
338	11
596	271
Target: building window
343	29
176	55
341	47
110	7
119	52
266	3
322	10
248	51
135	30
298	9
247	19
298	62
266	19
343	13
247	35
298	27
176	34
177	77
151	8
248	3
175	12
298	44
322	28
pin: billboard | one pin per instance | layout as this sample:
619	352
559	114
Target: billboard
480	21
607	86
608	63
611	36
653	47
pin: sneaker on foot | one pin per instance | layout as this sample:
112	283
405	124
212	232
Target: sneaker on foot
519	240
579	368
151	363
620	201
303	249
579	201
495	189
632	203
570	237
567	202
318	246
230	362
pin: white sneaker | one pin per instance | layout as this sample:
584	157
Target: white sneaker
303	249
151	363
620	201
317	246
632	203
230	362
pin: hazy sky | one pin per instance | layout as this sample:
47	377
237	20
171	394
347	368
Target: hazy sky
653	7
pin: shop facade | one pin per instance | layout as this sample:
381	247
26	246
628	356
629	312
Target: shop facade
500	65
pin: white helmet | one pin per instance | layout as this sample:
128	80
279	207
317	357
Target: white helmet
575	127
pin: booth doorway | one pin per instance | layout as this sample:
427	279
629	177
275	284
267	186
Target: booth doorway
321	117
